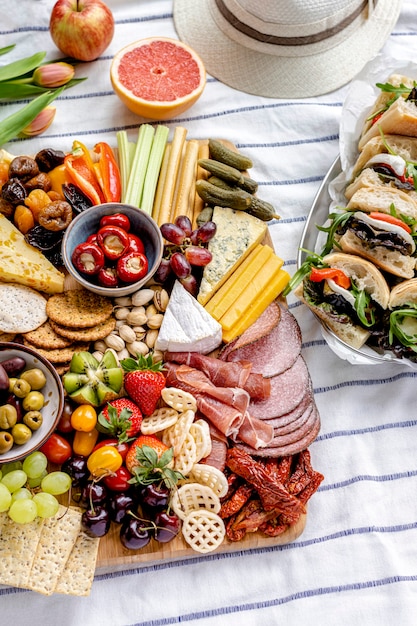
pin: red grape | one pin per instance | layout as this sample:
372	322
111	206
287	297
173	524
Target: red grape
173	233
179	265
190	284
163	271
184	222
204	233
196	255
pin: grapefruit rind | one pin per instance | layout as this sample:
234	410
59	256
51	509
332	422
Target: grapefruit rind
156	109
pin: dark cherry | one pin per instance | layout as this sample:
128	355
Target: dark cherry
135	533
155	496
167	526
76	467
96	522
93	493
119	505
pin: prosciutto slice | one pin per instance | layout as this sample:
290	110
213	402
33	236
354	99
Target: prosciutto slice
223	374
225	407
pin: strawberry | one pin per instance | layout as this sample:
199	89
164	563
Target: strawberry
143	382
121	418
150	461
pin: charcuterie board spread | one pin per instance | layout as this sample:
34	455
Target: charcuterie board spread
188	409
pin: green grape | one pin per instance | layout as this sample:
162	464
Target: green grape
10	467
35	464
35	482
1	474
14	480
23	511
5	498
56	483
21	494
46	504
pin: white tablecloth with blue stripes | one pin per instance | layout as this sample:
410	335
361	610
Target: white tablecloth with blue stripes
356	561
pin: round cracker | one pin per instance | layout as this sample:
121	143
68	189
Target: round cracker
204	531
59	355
46	337
78	308
85	334
21	309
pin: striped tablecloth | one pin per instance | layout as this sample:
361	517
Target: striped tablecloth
356	561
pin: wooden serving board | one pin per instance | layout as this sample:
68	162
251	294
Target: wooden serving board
113	556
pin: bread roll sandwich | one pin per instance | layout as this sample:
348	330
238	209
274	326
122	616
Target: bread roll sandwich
348	293
403	318
394	111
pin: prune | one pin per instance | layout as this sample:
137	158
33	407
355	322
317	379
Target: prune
6	208
47	159
55	216
43	239
13	191
76	198
23	168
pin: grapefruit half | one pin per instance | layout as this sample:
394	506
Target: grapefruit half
158	77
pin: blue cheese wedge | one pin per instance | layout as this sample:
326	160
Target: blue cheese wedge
187	327
23	264
236	235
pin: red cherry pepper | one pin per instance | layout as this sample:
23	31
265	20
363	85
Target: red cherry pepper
107	172
132	267
135	244
107	277
113	240
117	219
88	258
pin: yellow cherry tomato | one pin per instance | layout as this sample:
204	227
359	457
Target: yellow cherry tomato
84	418
83	443
103	461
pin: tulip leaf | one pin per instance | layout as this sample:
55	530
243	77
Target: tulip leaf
12	125
21	67
7	49
14	90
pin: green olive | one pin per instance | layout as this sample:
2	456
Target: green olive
21	434
8	416
33	419
34	401
21	388
6	442
12	382
35	377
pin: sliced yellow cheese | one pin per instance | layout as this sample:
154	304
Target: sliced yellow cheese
231	289
251	291
258	306
23	264
236	235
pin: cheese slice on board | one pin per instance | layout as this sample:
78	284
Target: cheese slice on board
187	327
236	235
22	263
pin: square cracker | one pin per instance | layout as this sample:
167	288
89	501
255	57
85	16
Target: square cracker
78	575
18	545
57	540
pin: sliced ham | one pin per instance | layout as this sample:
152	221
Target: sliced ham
223	374
275	352
256	433
287	391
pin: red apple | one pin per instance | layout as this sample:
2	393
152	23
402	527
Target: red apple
81	29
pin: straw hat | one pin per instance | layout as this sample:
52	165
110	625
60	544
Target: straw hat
285	48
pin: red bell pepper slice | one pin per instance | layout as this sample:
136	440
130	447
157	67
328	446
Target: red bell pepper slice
390	219
332	273
107	172
80	168
132	267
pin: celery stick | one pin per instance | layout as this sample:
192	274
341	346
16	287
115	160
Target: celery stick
139	165
154	167
125	154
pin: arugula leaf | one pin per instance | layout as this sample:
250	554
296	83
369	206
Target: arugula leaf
403	326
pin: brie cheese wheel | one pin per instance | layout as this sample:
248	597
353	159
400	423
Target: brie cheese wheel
187	327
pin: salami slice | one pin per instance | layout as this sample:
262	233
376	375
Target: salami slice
287	391
275	352
294	425
285	420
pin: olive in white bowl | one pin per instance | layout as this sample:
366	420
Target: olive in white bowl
35	388
104	249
